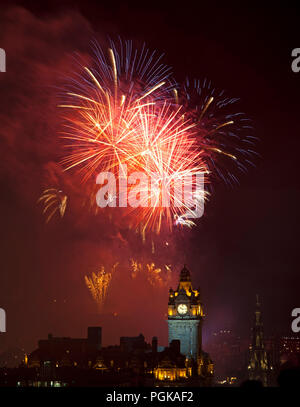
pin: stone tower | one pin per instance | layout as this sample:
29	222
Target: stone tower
185	315
259	367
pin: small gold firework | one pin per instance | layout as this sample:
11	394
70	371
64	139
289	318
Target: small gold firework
54	200
155	275
98	284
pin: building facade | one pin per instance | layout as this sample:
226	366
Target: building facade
185	318
185	315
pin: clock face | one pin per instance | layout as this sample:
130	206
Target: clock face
182	309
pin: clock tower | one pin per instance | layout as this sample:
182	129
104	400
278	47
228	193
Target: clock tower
185	315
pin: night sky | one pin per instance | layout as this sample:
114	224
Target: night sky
246	243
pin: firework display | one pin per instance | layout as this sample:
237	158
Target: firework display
156	276
224	136
141	238
98	284
124	114
105	103
55	201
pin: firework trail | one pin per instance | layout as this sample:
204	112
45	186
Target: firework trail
225	137
54	201
154	275
98	284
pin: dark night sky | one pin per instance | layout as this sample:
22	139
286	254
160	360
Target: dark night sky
247	242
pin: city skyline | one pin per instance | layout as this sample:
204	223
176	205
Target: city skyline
235	360
80	265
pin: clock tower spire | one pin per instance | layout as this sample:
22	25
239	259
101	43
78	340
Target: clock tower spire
185	315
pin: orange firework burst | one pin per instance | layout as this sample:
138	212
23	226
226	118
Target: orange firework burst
120	113
166	152
98	284
105	105
113	123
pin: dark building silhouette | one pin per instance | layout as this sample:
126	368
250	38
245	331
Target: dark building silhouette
154	344
64	361
259	367
95	337
128	344
230	355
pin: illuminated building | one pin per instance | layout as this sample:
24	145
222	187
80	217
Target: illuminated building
172	365
289	350
168	370
289	344
84	362
259	367
100	364
185	316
